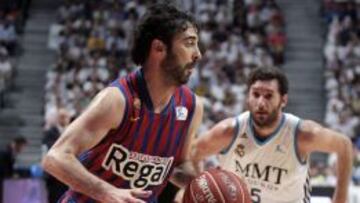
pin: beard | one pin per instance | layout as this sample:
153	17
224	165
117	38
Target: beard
179	74
267	120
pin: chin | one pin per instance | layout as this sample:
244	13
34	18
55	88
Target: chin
183	81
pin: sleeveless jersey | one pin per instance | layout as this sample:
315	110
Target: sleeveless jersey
143	150
272	168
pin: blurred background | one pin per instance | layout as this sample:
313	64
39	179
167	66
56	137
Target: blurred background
56	55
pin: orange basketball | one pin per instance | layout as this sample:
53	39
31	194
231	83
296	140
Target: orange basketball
216	186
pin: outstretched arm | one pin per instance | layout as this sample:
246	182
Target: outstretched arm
103	114
314	137
214	140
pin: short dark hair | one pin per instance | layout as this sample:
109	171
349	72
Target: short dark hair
162	22
20	140
269	73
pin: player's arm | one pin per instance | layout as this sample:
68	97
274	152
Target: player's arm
184	172
104	113
215	140
314	137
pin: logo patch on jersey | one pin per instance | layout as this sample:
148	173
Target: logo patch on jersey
240	150
137	103
181	113
141	170
137	107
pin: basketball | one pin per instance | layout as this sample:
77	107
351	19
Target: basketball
216	186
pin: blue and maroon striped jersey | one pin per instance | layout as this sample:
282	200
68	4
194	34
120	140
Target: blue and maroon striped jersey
143	150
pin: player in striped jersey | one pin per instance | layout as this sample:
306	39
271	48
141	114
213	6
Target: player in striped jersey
270	149
125	145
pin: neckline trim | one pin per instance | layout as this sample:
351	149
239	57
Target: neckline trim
144	94
269	137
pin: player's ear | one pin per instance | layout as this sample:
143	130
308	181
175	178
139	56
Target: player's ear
158	46
284	100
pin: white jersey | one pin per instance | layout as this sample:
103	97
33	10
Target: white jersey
272	168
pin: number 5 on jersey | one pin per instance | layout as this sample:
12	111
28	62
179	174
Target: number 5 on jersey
255	195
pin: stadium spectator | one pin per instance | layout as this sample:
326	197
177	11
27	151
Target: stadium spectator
6	68
7	159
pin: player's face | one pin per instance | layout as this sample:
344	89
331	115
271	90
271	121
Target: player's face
180	61
265	102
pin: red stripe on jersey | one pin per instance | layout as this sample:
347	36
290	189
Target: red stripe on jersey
154	129
135	145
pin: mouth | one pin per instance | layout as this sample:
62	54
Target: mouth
261	113
190	70
191	65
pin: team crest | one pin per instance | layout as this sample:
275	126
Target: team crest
137	103
240	150
137	107
181	113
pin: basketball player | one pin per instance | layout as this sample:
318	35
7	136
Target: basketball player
125	145
270	149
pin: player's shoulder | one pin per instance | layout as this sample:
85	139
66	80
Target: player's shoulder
112	102
308	130
111	95
242	116
185	90
185	95
309	126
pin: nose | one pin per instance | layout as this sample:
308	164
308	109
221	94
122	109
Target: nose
197	54
261	102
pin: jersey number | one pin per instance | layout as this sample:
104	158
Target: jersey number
255	195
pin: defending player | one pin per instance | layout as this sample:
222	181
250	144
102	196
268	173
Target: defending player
270	149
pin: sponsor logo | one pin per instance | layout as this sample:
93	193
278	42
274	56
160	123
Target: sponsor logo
141	170
280	148
268	173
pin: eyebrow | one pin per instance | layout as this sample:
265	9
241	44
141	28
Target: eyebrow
262	89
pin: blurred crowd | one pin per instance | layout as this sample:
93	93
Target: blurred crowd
92	40
342	72
12	17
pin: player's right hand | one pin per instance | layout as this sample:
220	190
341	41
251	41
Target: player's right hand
127	196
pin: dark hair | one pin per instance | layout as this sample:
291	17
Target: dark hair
266	74
20	140
162	22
